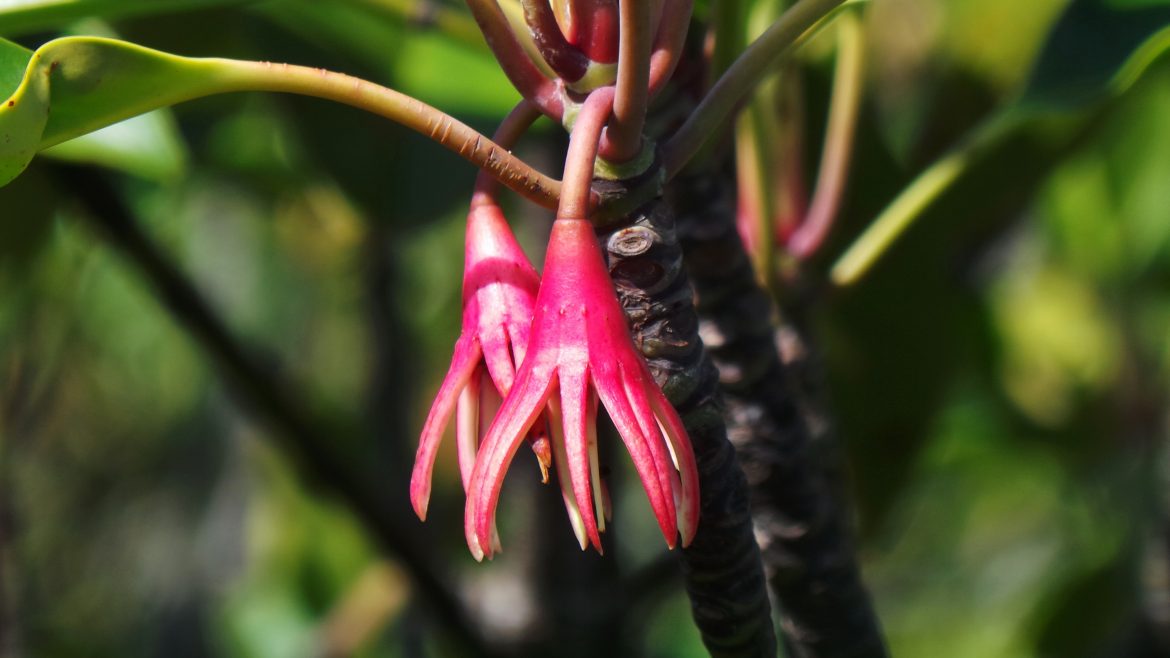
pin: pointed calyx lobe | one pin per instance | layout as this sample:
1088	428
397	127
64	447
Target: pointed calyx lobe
580	351
499	290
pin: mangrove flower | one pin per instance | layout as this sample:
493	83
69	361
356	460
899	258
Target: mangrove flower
580	351
499	290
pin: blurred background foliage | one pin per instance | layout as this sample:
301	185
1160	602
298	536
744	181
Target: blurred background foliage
1000	379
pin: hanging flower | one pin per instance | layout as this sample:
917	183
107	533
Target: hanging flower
499	289
580	350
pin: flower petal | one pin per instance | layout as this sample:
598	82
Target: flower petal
556	426
500	285
467	356
467	414
613	397
498	354
636	392
520	409
574	385
684	454
601	503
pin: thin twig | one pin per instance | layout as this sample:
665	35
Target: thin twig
212	76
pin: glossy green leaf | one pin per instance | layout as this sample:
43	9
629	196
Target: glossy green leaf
90	83
1096	52
23	16
1097	49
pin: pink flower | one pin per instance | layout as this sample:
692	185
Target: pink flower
499	289
580	350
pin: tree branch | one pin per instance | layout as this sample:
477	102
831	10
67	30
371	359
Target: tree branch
721	567
825	610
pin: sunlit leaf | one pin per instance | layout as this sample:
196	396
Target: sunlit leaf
90	83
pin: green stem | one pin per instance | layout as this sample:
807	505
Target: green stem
848	80
727	21
910	204
400	108
739	80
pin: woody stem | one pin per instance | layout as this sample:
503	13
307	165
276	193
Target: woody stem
722	568
802	526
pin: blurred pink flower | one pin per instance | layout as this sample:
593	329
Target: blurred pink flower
580	350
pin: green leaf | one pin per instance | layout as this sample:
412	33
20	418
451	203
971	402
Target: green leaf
23	16
91	83
13	60
1096	52
1097	49
147	146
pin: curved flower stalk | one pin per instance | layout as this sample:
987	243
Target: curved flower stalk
579	352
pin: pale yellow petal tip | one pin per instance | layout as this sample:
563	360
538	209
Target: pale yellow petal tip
497	547
421	504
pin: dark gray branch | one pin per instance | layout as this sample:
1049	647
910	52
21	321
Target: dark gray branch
825	611
721	568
